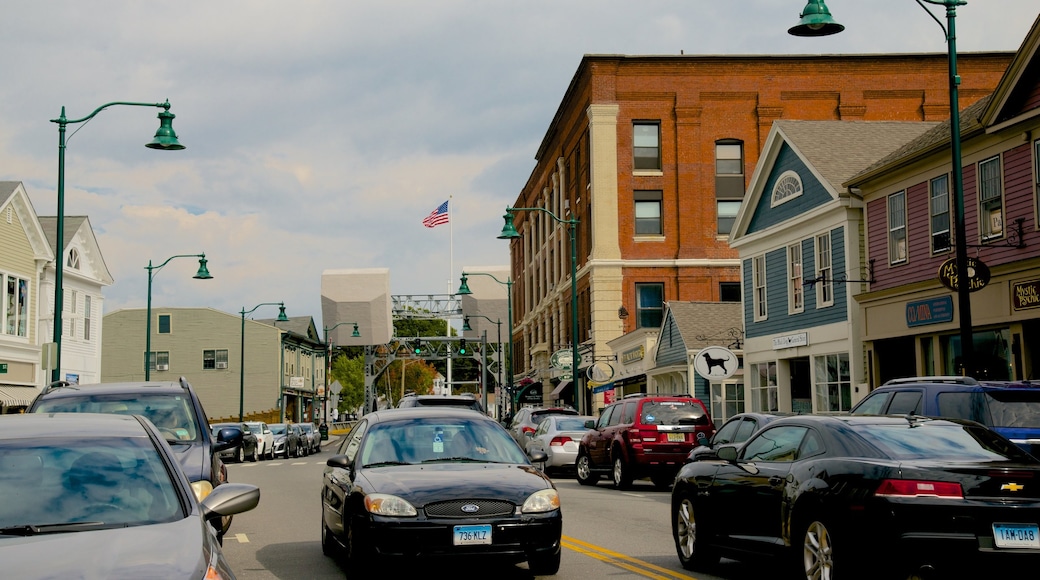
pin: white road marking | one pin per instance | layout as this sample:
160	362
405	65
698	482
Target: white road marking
241	539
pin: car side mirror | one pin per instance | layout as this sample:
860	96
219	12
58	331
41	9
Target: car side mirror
727	453
538	456
227	438
590	424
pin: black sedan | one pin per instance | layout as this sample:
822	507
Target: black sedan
89	495
863	495
422	482
736	430
249	447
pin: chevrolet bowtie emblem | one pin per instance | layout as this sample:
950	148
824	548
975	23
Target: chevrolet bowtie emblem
1012	487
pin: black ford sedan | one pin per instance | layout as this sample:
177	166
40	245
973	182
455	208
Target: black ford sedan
863	496
428	482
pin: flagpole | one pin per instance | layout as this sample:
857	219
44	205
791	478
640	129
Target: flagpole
451	270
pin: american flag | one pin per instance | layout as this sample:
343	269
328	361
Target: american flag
437	217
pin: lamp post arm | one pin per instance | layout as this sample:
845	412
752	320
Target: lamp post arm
543	210
152	270
62	120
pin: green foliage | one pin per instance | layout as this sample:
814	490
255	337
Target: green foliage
409	327
418	378
350	372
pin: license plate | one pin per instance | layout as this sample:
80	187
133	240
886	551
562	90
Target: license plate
472	535
1016	536
676	437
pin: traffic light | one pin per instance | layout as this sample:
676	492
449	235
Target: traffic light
462	346
417	347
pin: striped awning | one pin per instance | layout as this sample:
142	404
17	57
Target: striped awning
15	396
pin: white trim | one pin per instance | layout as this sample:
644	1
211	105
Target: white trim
786	187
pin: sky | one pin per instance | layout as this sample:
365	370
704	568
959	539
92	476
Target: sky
319	134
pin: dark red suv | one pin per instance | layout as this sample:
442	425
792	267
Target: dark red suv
643	436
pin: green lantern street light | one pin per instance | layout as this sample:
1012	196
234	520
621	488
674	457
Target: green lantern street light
509	232
508	283
242	352
816	21
328	361
165	139
498	324
202	274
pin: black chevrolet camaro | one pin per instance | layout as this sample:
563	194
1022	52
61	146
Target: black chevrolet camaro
429	482
863	496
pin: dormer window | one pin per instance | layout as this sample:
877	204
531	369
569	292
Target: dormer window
787	187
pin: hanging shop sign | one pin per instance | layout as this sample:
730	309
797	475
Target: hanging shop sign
715	363
978	274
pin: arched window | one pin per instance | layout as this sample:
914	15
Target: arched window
787	187
73	261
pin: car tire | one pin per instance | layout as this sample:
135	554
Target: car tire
622	474
254	457
545	564
328	545
359	559
817	550
240	455
689	540
583	471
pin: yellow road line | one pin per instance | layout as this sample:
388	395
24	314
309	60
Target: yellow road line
620	560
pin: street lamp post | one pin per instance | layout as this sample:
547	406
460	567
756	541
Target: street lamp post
508	283
328	363
242	353
509	232
202	274
816	21
498	325
164	139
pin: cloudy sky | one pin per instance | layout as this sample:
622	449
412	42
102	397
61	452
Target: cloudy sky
319	134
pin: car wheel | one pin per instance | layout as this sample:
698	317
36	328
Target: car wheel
583	471
328	545
622	477
240	455
254	457
817	552
545	564
359	558
689	540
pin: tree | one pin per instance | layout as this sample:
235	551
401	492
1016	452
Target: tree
418	378
350	372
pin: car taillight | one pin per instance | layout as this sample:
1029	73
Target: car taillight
558	441
526	429
918	488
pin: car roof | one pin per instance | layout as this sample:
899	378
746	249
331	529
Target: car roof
852	420
67	390
437	412
79	425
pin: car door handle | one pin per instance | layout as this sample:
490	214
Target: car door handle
775	480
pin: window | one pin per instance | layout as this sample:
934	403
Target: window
727	399
795	299
776	444
70	303
159	360
86	318
991	203
787	187
727	211
824	271
1036	166
764	391
164	324
833	383
648	212
215	359
758	275
729	291
73	259
646	146
939	204
729	182
15	314
897	228
649	305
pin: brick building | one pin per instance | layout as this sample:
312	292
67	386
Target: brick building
652	155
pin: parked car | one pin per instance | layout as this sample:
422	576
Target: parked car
736	430
424	482
526	420
312	437
642	436
264	438
89	495
249	448
303	448
463	400
1011	409
286	440
868	495
172	406
557	436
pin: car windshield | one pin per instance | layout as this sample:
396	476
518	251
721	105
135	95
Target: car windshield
568	424
171	413
432	440
74	484
673	413
537	416
946	441
277	429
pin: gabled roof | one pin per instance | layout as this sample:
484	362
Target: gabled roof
14	196
299	326
79	226
713	321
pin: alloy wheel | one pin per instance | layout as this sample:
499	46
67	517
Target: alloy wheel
818	552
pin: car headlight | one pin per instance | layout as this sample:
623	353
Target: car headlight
201	489
542	501
388	505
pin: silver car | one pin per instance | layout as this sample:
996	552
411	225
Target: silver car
558	437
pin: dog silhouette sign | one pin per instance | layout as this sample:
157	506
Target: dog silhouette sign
715	363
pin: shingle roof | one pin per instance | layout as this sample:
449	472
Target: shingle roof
49	225
711	320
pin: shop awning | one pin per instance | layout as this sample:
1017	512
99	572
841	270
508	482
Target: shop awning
559	389
15	396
